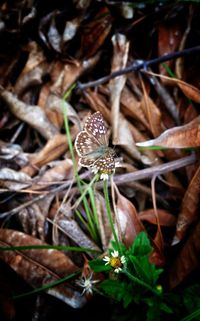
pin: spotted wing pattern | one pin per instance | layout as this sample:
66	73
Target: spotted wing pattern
86	162
85	144
92	146
95	126
106	163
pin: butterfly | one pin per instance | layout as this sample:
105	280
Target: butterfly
91	145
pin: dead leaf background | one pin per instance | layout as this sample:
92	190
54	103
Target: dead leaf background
45	49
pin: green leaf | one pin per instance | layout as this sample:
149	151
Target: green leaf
155	308
141	245
145	270
153	312
118	247
191	299
166	308
118	290
98	265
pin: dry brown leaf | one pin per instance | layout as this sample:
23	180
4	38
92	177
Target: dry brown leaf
33	70
66	223
179	66
54	111
189	207
187	259
127	219
95	32
189	91
40	267
165	218
60	170
33	217
104	225
152	114
186	136
150	157
32	115
132	107
169	37
13	180
125	139
13	152
119	61
54	148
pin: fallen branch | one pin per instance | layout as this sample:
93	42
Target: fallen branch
138	65
146	173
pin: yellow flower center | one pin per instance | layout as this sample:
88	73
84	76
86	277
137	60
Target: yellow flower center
115	262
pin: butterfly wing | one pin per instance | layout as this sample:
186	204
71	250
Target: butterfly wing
105	164
85	144
86	162
95	127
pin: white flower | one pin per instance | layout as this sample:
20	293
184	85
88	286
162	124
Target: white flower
106	259
117	270
115	261
104	176
87	284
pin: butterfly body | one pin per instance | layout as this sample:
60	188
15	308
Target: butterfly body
92	146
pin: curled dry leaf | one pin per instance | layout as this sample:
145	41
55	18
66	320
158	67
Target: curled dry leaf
13	152
187	259
54	148
34	69
54	110
189	208
14	180
95	32
60	170
132	107
126	140
186	136
32	115
120	57
54	37
166	98
104	225
33	217
169	37
40	267
165	218
152	114
70	29
127	219
189	91
67	225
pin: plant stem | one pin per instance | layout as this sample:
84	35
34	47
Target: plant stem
92	228
192	315
83	193
136	280
47	286
108	209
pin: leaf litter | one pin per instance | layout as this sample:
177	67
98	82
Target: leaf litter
153	125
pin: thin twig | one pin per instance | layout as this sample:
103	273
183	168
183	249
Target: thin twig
138	65
123	179
148	173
